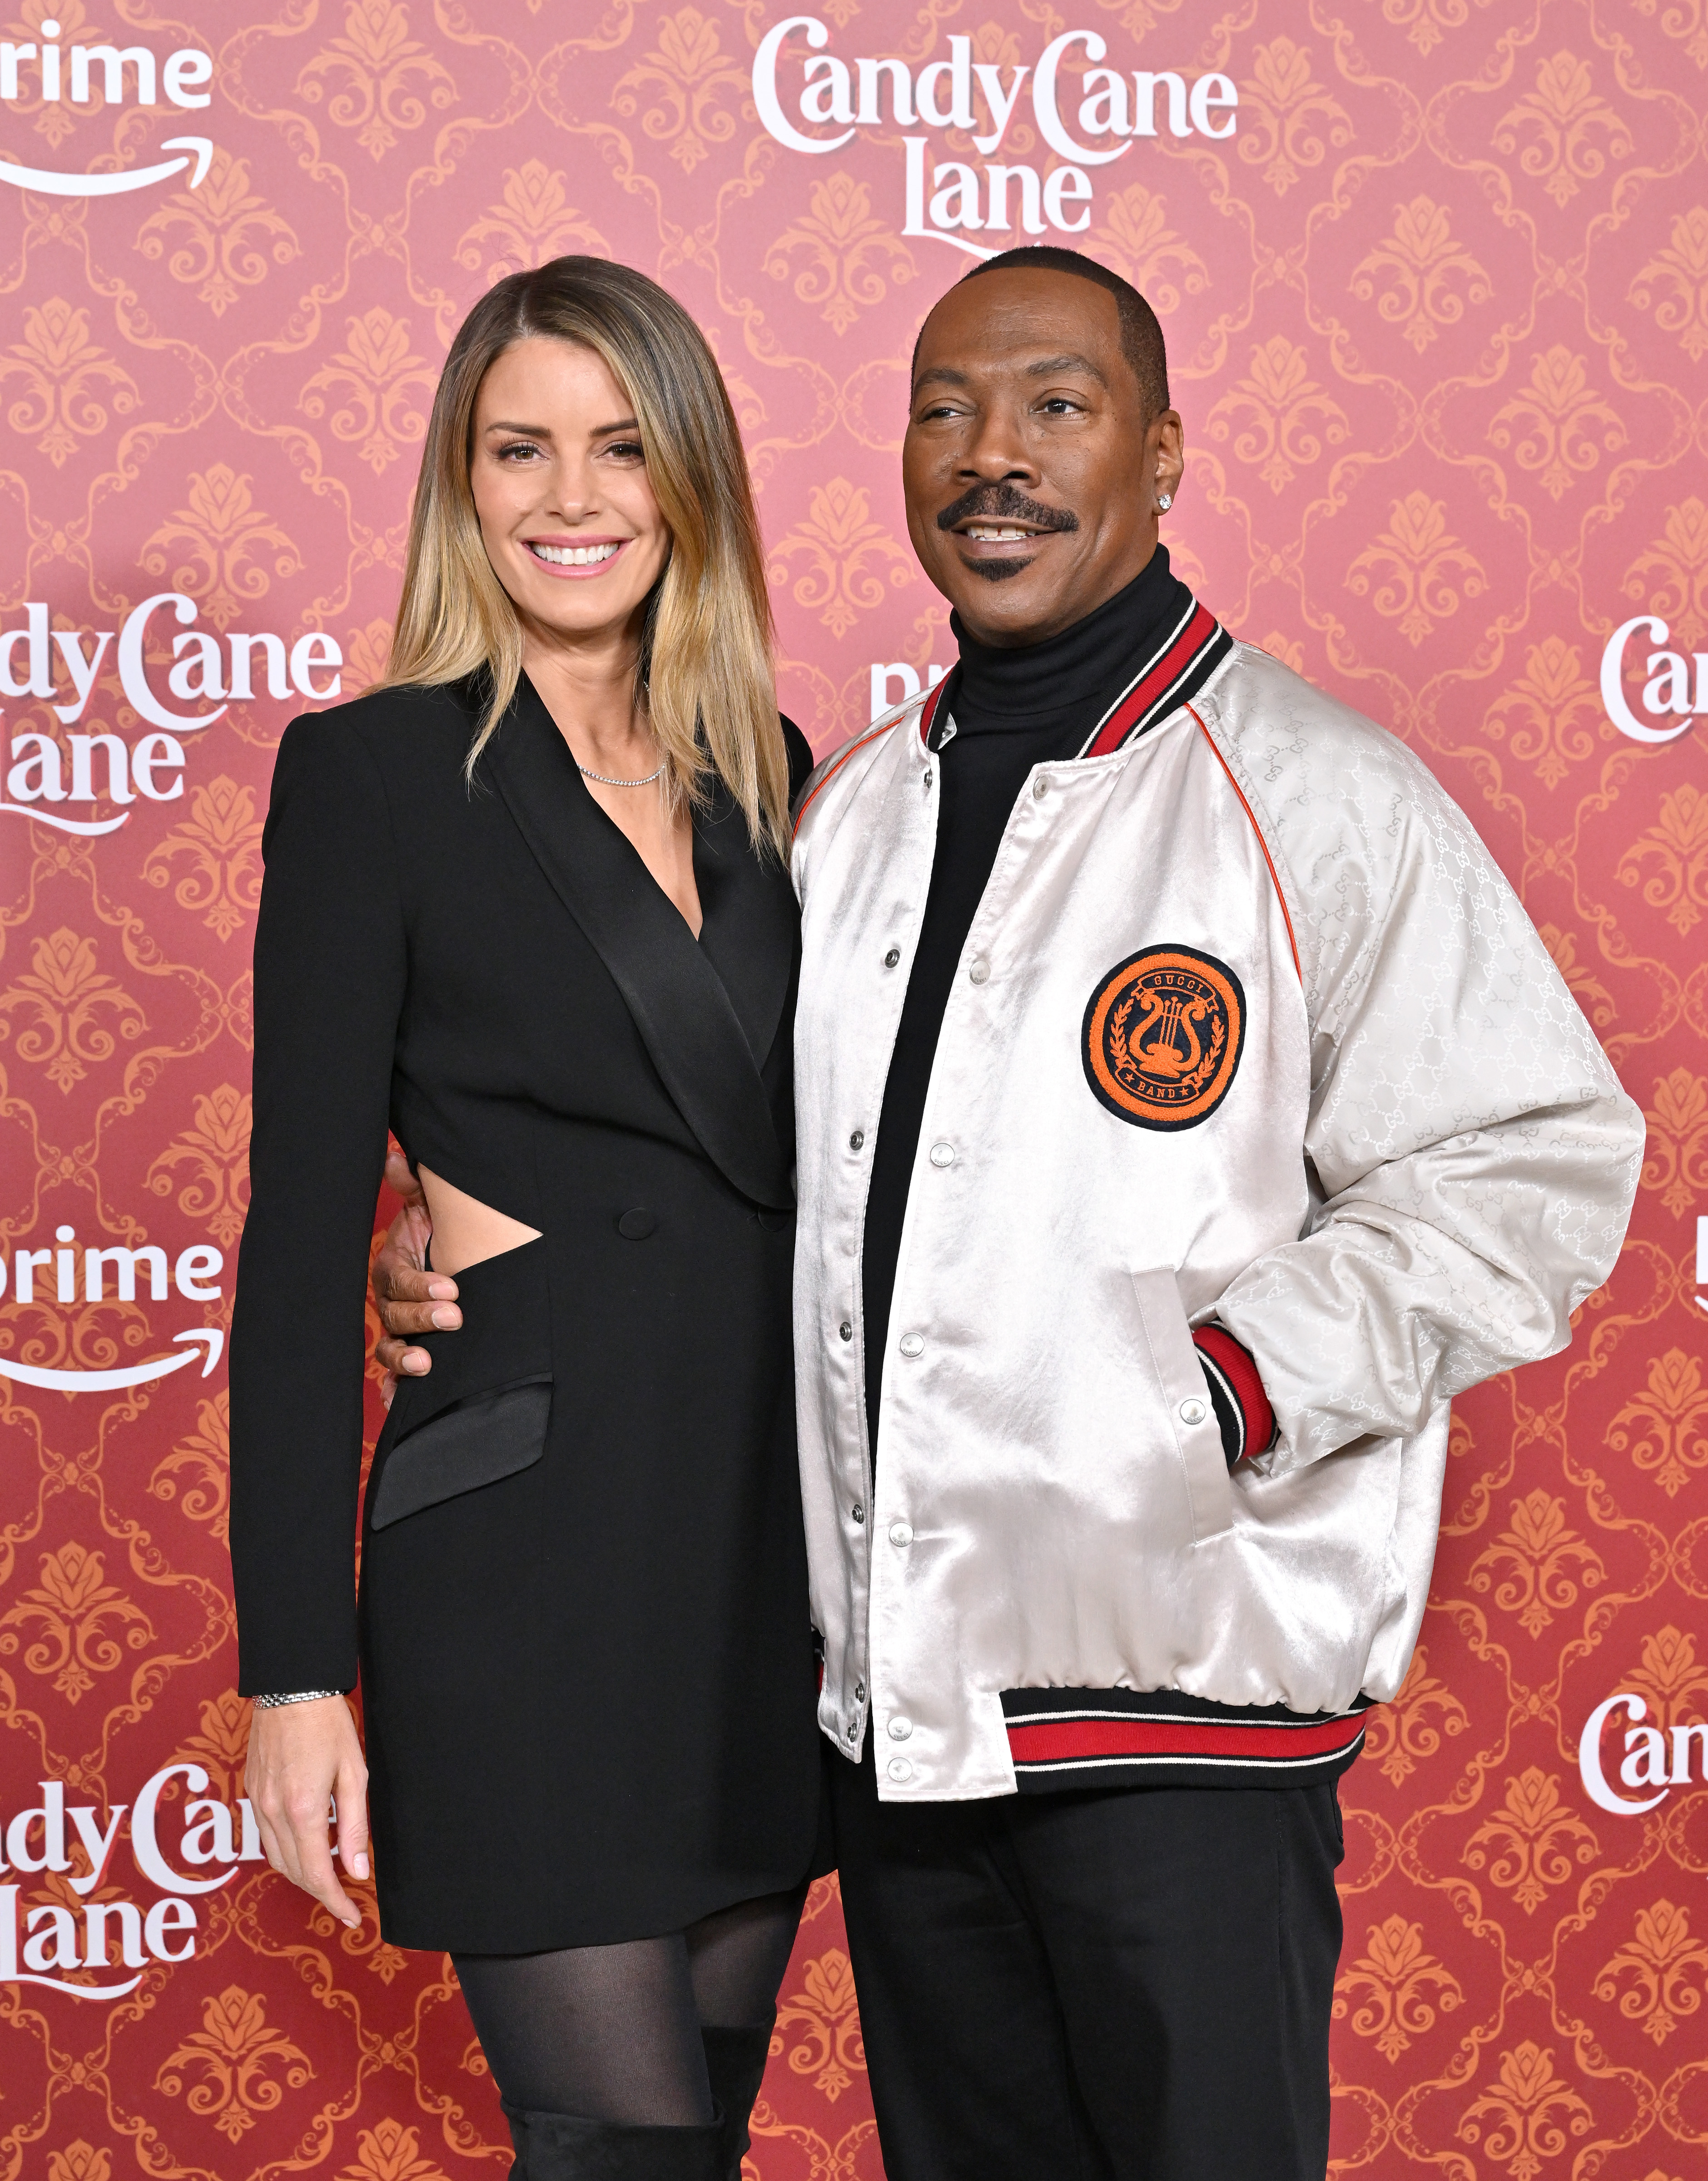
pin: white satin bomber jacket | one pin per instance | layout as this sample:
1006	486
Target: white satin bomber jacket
1247	1026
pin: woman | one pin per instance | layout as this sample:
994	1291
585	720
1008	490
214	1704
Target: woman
527	901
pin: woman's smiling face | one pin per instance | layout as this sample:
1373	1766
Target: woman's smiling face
566	508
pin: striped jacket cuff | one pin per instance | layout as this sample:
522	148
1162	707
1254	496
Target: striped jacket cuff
1236	1394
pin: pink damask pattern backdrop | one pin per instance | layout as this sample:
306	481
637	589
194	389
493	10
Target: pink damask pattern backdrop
1435	277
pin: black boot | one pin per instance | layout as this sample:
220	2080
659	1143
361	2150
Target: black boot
564	2147
736	2062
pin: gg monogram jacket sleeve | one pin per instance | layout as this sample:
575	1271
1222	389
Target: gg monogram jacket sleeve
1249	1029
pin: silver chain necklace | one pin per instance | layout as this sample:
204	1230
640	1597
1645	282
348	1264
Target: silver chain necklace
605	779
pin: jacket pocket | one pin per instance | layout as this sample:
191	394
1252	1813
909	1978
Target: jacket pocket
1187	1410
480	1439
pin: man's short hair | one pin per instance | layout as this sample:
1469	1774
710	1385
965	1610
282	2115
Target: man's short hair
1141	336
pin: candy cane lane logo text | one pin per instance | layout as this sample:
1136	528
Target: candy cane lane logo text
953	201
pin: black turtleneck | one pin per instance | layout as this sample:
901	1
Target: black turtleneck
1013	710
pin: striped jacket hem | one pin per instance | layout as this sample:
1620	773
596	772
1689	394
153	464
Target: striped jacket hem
1061	1738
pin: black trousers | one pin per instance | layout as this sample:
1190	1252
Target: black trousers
1123	1986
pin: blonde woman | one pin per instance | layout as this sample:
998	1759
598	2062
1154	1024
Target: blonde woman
526	902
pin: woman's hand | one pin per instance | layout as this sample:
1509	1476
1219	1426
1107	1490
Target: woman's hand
408	1297
303	1759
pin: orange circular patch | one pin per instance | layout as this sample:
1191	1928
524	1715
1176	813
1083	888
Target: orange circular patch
1162	1037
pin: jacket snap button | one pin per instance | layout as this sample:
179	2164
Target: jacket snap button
900	1728
912	1344
892	957
1191	1412
943	1154
928	776
979	971
1040	791
859	1692
635	1226
900	1769
856	1139
858	1512
846	1330
900	1533
853	1730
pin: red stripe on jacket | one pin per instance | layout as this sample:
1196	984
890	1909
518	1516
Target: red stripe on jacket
1059	1740
1167	670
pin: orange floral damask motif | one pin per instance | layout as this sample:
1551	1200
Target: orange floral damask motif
208	1165
531	223
1409	1731
225	539
1676	1155
1136	241
1551	716
824	2009
1558	426
59	386
222	237
390	2152
65	1015
376	79
228	2064
1563	131
382	389
844	551
80	2161
73	1624
1284	418
1664	1427
689	77
1669	1677
1541	1563
1421	573
197	1472
1420	277
1290	121
1527	2116
1670	576
1674	283
1670	859
1403	1986
221	838
1667	1966
850	258
1532	1843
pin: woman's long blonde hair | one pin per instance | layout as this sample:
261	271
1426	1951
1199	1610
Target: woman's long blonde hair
705	672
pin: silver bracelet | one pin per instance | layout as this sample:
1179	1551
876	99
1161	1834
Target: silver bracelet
297	1695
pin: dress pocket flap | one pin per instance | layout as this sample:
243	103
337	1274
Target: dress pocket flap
482	1438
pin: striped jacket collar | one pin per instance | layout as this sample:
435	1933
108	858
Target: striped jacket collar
1175	670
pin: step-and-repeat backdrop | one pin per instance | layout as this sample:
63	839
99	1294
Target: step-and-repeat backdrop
1435	279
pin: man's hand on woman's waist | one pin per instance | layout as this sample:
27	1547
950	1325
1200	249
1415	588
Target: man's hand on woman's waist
409	1298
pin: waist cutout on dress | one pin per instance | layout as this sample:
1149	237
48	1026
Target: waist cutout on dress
483	1411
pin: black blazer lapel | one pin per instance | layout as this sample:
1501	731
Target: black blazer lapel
750	931
698	1045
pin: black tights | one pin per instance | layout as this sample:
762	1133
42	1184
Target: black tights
613	2033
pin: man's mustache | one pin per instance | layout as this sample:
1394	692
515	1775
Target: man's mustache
993	502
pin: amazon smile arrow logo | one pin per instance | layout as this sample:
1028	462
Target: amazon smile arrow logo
45	179
130	1374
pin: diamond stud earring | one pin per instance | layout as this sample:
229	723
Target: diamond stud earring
1164	500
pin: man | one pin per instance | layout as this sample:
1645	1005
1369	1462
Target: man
1187	1111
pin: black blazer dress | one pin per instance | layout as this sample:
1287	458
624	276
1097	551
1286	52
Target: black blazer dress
586	1659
